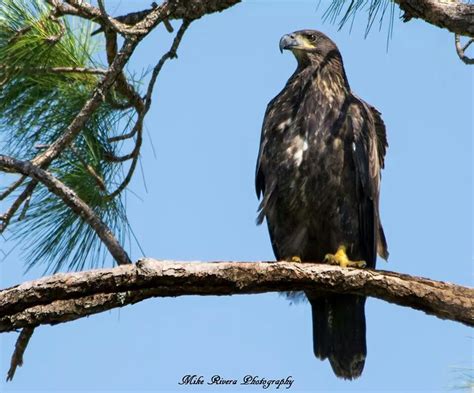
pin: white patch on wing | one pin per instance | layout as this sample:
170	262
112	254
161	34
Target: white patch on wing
284	124
298	146
298	157
337	143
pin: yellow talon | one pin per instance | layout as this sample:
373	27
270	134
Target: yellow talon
340	258
295	259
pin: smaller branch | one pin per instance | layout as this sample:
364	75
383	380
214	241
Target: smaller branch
12	188
134	156
6	217
118	138
52	16
460	49
53	39
168	26
99	181
121	83
20	347
113	158
171	54
468	43
138	128
26	206
71	199
41	146
60	8
115	103
19	34
56	70
82	9
111	23
73	70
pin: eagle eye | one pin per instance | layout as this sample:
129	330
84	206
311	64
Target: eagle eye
312	37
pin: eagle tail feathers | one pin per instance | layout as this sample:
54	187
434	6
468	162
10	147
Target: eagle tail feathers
339	332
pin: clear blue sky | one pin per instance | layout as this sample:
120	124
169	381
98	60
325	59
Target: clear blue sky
200	205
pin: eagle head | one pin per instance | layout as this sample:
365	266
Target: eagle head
309	46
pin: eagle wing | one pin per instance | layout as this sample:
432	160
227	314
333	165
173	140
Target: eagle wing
259	178
273	120
369	146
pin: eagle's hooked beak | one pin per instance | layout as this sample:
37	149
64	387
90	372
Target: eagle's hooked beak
289	41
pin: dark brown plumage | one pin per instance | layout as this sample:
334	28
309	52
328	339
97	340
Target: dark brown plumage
318	171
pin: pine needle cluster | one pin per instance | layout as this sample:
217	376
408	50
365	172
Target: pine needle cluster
37	103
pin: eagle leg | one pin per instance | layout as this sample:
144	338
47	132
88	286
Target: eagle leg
340	258
295	259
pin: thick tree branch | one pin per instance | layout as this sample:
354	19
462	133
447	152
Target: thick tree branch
455	16
175	9
66	297
195	9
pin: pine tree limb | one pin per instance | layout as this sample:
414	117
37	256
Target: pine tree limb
71	199
66	297
456	16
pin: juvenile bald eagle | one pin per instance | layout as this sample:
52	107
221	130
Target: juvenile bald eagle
321	152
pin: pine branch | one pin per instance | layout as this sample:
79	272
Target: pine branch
134	155
12	188
56	148
71	199
66	297
20	347
460	49
88	116
24	196
174	9
60	70
453	15
195	9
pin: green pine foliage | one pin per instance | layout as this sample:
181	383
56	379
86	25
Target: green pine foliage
36	106
344	12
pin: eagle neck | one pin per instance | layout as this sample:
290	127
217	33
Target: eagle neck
326	74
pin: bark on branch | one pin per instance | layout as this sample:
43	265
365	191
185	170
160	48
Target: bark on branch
455	16
174	9
195	9
66	297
